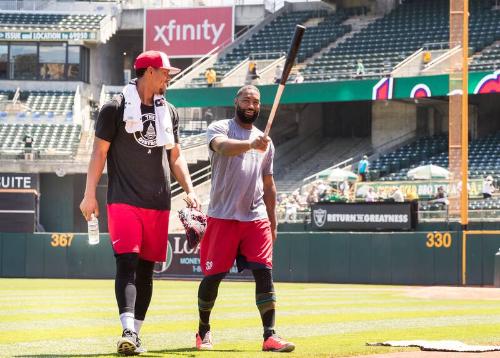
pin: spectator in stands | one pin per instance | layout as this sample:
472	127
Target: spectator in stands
298	78
277	74
252	75
28	147
412	196
488	187
138	185
441	196
312	196
44	72
322	190
291	210
360	69
344	188
363	168
371	196
211	77
397	195
209	116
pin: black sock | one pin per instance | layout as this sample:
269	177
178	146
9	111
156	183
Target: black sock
207	293
144	287
265	299
125	291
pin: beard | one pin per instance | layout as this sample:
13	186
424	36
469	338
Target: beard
161	90
240	112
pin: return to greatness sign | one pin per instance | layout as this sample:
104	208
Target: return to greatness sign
48	35
183	262
363	216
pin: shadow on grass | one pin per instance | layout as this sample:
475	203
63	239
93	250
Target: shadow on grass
186	352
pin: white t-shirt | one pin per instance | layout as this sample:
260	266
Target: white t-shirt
237	187
398	196
488	187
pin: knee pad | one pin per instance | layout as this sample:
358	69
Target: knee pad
263	280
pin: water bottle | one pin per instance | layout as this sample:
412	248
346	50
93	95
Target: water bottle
93	225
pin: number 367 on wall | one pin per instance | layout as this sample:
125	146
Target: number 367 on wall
61	240
438	239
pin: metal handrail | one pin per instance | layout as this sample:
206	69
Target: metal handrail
443	45
444	57
177	189
277	54
209	54
408	59
194	64
349	76
315	176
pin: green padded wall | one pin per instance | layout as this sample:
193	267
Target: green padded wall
340	257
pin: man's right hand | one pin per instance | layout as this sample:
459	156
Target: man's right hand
260	143
88	206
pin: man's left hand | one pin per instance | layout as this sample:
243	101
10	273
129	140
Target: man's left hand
192	201
274	232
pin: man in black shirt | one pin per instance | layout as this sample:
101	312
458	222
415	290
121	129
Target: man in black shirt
28	147
137	133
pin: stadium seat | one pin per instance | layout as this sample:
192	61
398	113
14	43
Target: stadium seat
391	39
273	40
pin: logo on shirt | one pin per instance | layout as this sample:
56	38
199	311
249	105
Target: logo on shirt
147	138
208	265
159	102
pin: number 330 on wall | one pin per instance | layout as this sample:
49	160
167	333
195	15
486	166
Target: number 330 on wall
438	239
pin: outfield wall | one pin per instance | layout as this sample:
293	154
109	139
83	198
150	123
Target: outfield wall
430	257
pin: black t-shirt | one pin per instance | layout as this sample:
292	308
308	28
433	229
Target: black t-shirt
136	174
28	141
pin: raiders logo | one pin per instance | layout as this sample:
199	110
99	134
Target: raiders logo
319	216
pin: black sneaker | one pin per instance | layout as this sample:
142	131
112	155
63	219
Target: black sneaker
128	344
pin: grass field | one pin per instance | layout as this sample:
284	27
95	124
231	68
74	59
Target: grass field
78	318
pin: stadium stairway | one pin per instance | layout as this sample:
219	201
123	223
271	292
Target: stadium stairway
357	24
325	154
272	40
486	60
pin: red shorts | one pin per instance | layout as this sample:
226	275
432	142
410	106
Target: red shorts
138	230
250	242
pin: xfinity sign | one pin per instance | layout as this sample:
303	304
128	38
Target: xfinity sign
187	32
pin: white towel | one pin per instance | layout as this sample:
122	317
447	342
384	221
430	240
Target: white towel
133	117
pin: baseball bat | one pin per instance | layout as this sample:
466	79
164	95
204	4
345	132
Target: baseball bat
290	59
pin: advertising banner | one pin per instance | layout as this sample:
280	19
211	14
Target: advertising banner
183	262
423	189
24	35
18	181
363	216
187	32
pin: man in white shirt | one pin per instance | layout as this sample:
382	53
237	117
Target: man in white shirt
488	187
